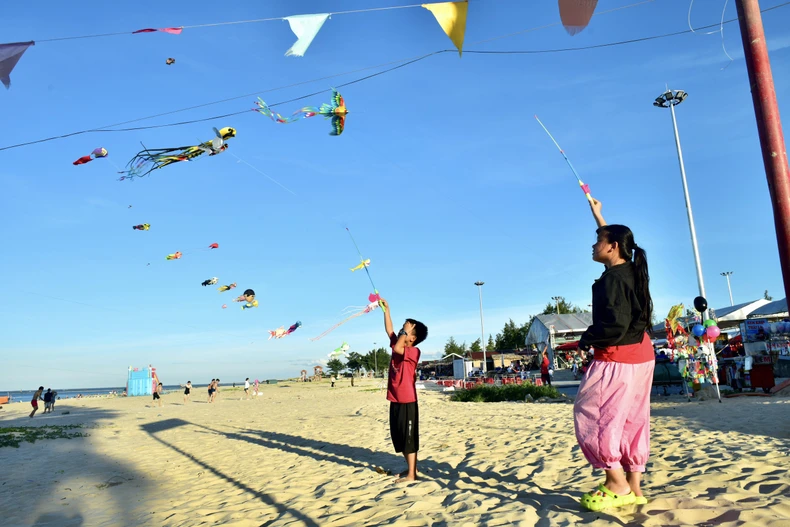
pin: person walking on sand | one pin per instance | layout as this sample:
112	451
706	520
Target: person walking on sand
545	376
247	388
158	394
35	399
187	391
48	401
612	409
402	390
211	391
216	391
255	389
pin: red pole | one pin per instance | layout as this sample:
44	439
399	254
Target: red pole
769	126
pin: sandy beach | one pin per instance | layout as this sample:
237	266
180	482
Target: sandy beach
305	454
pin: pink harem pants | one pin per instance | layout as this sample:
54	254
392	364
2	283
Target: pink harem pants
611	415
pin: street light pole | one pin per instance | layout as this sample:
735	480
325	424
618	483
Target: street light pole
482	328
557	302
375	361
670	99
729	288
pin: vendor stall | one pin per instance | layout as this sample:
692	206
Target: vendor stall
763	344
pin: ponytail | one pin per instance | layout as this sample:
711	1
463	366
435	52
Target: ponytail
637	256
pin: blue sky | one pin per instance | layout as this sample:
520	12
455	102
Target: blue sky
442	175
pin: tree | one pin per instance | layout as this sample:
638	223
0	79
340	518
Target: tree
767	296
453	347
335	366
355	362
491	345
564	306
512	336
475	346
376	360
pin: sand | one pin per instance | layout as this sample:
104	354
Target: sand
305	454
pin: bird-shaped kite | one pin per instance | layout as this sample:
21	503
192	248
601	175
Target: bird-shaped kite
143	227
342	350
362	265
96	154
224	288
210	281
175	256
282	332
151	159
336	110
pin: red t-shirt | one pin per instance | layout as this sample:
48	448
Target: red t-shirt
628	353
544	366
400	385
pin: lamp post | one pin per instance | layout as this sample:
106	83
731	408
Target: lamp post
375	361
557	302
670	99
482	328
729	288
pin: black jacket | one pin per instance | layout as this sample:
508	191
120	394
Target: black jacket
619	318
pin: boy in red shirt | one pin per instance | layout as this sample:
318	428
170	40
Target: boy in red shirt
401	390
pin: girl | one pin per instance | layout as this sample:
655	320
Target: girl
187	391
612	409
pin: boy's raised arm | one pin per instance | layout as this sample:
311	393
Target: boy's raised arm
387	318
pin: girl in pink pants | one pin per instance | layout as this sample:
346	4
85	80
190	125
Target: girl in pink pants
612	410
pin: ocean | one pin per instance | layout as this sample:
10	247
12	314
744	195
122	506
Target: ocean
27	395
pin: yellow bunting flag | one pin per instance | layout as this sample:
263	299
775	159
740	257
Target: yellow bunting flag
452	17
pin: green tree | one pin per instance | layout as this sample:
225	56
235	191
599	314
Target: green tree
355	362
563	306
475	346
491	345
512	336
453	347
376	360
335	366
767	296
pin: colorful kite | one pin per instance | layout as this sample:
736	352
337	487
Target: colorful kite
148	160
282	332
224	306
210	281
171	30
96	154
374	303
224	288
175	256
576	14
249	297
143	227
362	265
338	352
170	61
336	110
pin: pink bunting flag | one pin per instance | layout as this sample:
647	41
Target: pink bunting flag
171	30
9	56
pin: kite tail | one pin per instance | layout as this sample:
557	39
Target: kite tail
330	330
274	116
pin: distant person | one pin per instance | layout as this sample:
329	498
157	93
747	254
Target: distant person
47	400
158	394
187	391
612	409
211	391
52	402
247	388
402	390
216	390
545	369
34	401
255	388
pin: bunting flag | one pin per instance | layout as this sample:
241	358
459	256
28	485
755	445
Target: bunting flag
305	27
576	14
452	17
9	56
171	30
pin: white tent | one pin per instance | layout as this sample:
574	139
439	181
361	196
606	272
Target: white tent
562	328
739	312
777	308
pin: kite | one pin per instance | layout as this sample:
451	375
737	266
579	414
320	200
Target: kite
175	256
9	56
210	281
336	110
362	264
282	332
249	297
224	306
214	246
224	288
585	188
374	303
170	61
171	30
340	351
150	159
96	154
143	227
576	14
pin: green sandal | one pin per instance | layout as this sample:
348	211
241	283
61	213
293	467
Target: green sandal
604	498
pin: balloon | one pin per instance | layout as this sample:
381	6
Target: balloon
698	330
700	304
710	323
713	333
774	327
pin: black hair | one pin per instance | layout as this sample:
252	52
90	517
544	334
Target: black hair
420	330
637	257
40	387
249	292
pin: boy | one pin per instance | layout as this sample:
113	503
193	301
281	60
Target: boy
247	388
34	401
401	389
48	401
158	394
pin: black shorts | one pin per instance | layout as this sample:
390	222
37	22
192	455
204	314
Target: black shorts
405	427
156	396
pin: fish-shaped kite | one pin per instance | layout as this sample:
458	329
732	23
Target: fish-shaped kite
150	159
336	110
374	304
224	288
210	281
175	256
282	332
362	265
96	154
142	227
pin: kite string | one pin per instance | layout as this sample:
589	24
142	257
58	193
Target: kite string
261	172
720	30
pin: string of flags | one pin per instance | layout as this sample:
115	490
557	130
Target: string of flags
451	17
